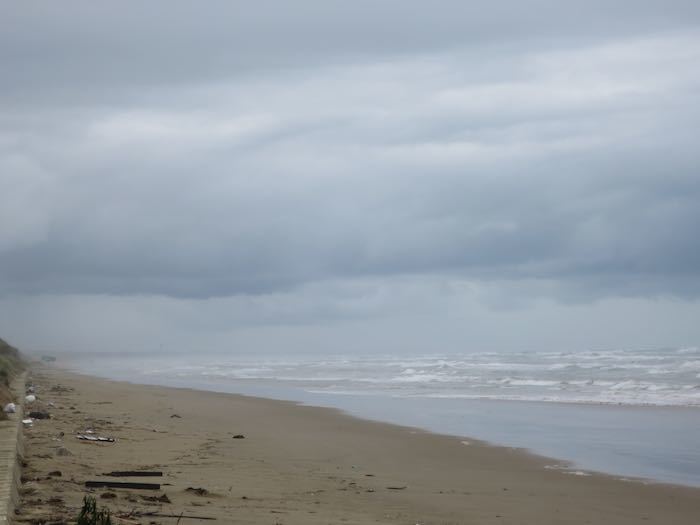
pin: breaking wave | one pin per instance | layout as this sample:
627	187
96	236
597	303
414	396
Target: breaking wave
666	377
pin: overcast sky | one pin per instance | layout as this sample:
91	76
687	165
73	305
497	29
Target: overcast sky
367	176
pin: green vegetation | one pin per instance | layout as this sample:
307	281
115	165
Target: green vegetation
10	365
89	515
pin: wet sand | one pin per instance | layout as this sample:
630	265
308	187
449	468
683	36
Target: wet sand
297	465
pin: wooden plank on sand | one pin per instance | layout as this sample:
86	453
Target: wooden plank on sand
134	473
122	485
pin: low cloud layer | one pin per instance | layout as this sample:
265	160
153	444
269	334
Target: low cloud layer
285	155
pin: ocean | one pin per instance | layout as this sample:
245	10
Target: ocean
634	414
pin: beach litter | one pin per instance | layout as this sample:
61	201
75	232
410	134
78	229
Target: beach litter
27	422
39	415
10	408
30	398
163	498
199	491
89	437
239	436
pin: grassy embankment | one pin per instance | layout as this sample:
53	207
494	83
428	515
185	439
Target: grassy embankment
10	365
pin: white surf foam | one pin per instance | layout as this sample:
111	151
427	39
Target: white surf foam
613	376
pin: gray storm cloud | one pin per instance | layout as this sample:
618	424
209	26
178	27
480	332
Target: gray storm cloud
295	153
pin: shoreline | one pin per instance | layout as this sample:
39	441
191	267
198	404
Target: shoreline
554	456
547	462
484	398
420	476
623	389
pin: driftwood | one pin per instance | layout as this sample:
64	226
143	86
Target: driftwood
163	515
135	473
122	485
125	521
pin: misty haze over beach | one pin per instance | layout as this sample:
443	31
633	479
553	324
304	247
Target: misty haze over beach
480	221
374	177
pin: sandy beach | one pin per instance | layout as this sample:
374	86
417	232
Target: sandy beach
296	465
